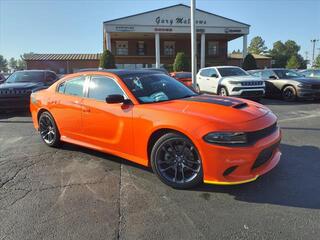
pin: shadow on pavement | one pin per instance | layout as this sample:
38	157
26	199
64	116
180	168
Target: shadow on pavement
294	182
279	102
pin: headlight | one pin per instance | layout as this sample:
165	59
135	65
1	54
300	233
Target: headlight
302	85
234	82
226	137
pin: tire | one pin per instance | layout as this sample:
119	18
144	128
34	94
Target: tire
197	89
223	91
289	94
49	131
176	161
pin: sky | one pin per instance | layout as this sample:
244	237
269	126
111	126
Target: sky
75	26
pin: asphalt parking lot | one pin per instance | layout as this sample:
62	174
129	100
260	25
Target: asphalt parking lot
75	193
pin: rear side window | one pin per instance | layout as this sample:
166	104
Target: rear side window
72	87
100	87
204	73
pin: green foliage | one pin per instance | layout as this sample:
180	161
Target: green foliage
249	62
13	63
317	62
257	46
181	63
168	67
107	60
282	53
293	62
3	64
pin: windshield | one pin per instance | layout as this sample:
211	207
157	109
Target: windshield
287	74
25	77
150	88
227	72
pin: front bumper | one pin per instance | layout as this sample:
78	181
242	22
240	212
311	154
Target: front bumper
14	102
308	93
254	92
226	165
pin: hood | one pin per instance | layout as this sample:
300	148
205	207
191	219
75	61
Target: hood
306	80
21	85
242	78
222	109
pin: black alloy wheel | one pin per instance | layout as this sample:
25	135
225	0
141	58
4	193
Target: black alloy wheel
48	130
289	94
176	161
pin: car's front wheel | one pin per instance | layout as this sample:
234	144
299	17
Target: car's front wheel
176	161
289	94
48	130
223	91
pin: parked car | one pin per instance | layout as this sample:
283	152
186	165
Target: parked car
314	73
15	91
2	78
154	120
229	81
288	84
160	70
184	77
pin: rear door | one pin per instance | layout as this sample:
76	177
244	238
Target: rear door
106	125
66	107
213	80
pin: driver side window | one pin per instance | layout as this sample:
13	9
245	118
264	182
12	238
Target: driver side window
100	87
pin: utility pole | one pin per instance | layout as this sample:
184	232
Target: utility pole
314	41
193	44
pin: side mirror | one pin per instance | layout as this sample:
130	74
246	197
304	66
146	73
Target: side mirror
115	98
272	77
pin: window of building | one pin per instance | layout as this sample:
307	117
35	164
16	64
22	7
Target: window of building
122	47
73	87
101	87
141	50
213	47
169	48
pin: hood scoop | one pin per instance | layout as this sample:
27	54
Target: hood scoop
240	105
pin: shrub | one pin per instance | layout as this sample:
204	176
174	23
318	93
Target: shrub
181	63
107	60
249	62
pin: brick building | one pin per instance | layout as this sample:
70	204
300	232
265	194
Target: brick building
152	39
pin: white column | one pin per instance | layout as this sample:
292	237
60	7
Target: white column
245	46
203	50
108	36
193	44
157	48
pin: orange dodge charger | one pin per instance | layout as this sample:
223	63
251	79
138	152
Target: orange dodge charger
152	119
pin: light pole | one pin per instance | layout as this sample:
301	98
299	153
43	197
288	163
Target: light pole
193	44
313	49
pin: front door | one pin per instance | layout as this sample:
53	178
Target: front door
106	125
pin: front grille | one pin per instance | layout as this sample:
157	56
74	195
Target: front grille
265	156
315	86
253	137
14	91
252	83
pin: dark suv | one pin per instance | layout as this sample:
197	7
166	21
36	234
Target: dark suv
16	90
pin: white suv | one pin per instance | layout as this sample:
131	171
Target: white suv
230	81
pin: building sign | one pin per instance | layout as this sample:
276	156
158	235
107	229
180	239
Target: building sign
125	28
228	30
163	29
178	21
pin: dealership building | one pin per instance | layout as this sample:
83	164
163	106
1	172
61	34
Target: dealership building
152	39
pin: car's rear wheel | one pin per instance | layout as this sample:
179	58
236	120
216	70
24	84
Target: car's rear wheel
176	161
289	94
48	130
223	91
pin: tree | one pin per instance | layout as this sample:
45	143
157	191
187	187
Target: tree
3	64
107	60
317	62
249	62
293	62
13	63
181	63
257	46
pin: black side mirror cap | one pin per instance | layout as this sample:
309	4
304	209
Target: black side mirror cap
214	75
115	98
272	77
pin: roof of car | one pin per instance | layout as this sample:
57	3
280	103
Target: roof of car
34	70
